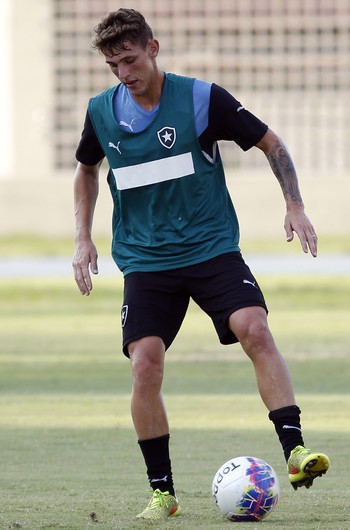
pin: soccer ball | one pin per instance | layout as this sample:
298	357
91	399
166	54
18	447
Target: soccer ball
245	488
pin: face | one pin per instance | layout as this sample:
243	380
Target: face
136	68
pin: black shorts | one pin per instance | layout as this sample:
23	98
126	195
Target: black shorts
155	303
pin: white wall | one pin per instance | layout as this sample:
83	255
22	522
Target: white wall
6	100
26	149
34	198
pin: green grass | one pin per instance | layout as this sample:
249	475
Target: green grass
67	443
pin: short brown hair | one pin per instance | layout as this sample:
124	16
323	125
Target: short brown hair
121	26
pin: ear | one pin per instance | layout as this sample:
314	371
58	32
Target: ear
153	47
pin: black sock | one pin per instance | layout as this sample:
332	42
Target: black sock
288	428
156	454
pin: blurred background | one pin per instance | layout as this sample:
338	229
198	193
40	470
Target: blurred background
287	62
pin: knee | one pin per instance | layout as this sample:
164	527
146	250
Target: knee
252	330
257	338
147	361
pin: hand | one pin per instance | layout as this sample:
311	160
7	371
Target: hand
84	261
296	221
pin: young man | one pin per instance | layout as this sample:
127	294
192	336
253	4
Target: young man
175	235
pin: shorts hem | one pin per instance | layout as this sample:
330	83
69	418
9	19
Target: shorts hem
139	337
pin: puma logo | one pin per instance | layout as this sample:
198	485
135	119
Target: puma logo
164	479
251	283
128	125
111	144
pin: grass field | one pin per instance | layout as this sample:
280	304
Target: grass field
68	448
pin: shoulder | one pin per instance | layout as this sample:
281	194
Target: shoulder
202	89
105	95
221	98
179	79
229	120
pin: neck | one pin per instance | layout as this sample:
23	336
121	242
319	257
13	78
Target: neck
152	98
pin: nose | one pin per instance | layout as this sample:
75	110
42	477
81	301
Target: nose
123	72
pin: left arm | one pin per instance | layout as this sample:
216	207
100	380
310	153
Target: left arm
283	167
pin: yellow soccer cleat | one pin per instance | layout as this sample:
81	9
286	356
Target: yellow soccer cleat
161	506
304	466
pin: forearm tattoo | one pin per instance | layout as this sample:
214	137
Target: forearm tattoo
283	167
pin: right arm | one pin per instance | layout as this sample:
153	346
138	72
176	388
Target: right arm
86	187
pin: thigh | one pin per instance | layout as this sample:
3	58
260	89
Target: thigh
154	304
223	286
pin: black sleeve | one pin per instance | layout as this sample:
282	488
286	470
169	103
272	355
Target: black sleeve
229	120
89	150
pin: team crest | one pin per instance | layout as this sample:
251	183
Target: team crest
167	137
124	315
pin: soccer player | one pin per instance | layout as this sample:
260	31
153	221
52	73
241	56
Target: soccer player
176	235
